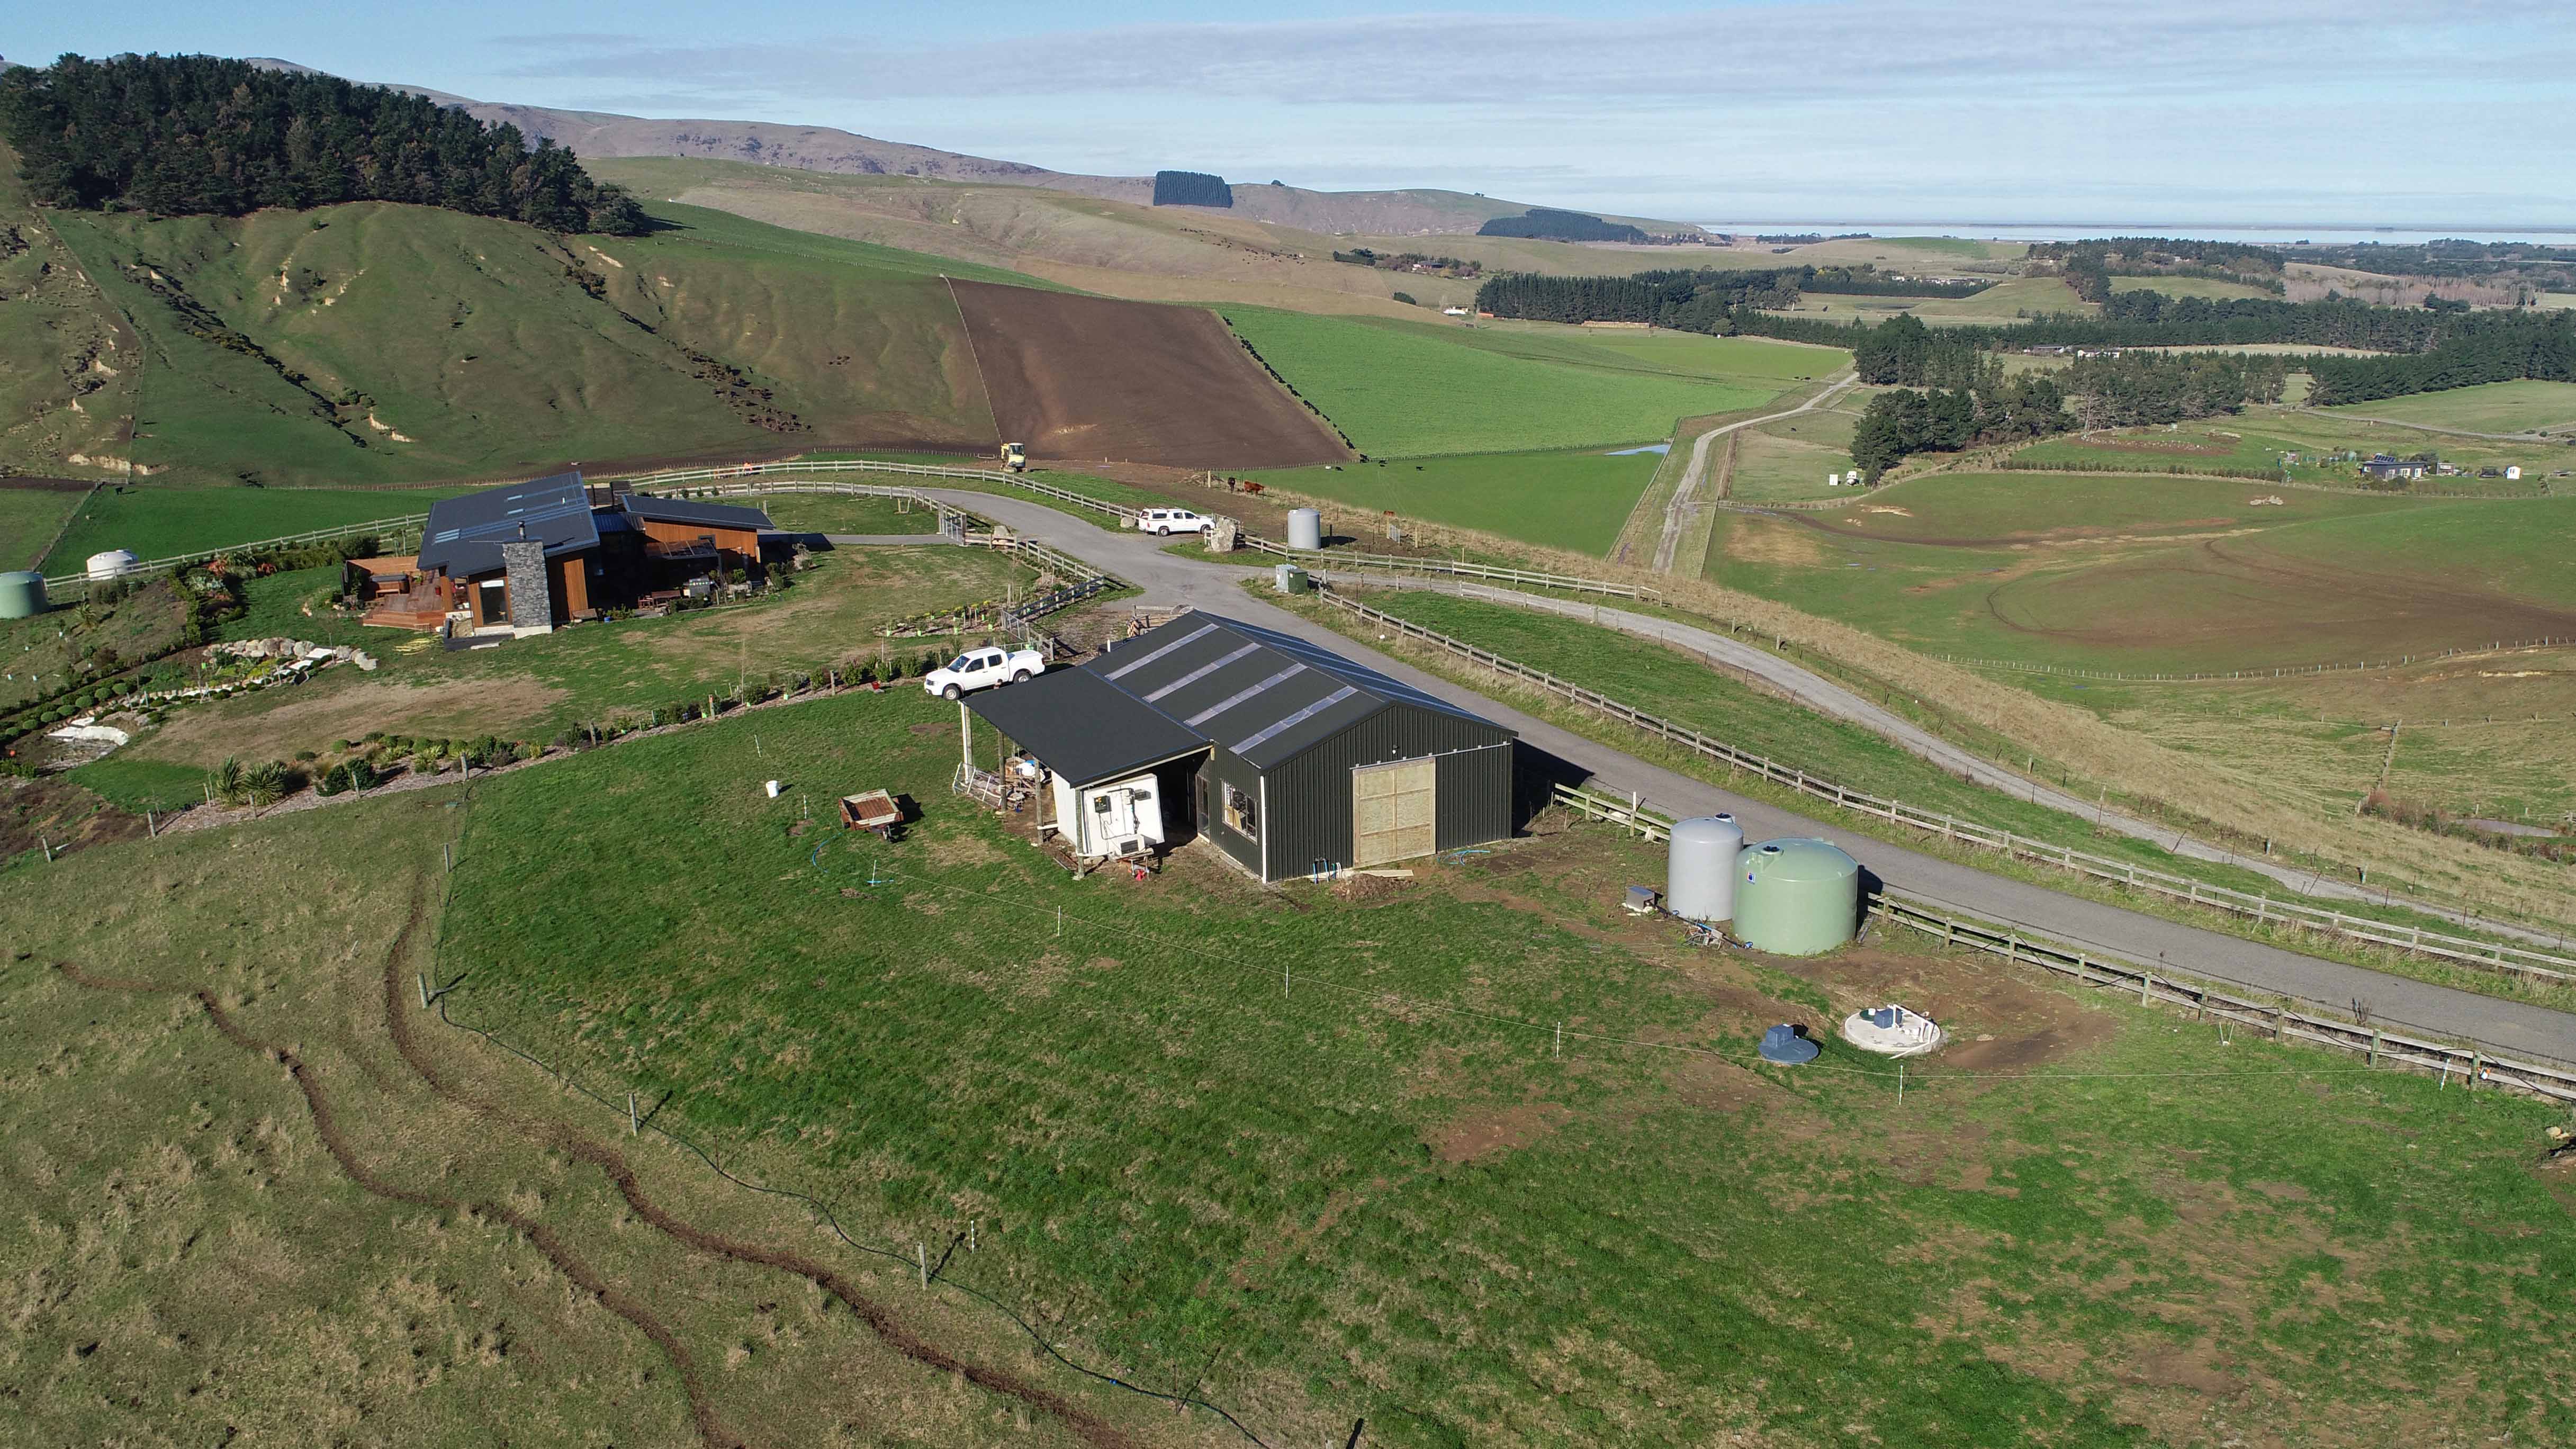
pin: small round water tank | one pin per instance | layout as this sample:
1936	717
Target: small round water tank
111	564
1305	528
22	594
1796	897
1699	873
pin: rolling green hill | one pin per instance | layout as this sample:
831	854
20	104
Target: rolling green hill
373	344
66	370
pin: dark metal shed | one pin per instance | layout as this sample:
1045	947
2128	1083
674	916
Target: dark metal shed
1313	760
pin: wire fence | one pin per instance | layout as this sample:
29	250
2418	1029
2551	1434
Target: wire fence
1956	927
2282	671
1959	926
390	532
2527	963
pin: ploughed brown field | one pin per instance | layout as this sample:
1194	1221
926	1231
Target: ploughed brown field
1080	379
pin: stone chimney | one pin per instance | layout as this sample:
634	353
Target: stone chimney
523	574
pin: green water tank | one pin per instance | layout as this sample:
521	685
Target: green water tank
1796	897
22	594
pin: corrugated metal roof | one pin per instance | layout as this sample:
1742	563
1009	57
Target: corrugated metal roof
1084	727
464	535
1262	694
681	510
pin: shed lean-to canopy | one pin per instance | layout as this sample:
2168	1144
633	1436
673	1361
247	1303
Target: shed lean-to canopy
683	510
1083	727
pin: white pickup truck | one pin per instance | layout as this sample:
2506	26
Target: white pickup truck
1168	521
977	668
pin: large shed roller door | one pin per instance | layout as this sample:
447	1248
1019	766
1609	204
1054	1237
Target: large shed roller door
1394	811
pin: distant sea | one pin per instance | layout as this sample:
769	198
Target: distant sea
2050	231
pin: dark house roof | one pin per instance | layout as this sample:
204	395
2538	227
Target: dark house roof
464	535
680	510
1201	679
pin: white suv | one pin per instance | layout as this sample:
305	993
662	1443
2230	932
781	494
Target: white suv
1168	521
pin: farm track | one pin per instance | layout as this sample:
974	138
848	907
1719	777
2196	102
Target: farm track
1684	508
1721	651
2511	1027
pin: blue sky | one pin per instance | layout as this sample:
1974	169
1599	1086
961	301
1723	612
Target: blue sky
2299	112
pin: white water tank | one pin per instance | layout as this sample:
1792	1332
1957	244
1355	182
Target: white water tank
1305	528
115	563
1699	873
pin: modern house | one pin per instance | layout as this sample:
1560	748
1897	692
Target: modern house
532	556
1288	757
2384	467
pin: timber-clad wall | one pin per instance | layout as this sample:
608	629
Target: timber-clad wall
740	542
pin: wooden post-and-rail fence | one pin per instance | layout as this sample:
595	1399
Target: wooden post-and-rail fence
2162	985
2262	909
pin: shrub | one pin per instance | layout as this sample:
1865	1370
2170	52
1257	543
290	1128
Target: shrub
266	783
1407	299
224	781
346	776
305	757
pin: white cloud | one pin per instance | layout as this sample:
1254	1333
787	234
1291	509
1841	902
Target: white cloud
2356	110
2386	51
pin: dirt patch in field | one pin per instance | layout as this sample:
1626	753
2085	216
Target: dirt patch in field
1997	1021
1487	1134
2150	445
260	726
1762	541
51	812
1088	378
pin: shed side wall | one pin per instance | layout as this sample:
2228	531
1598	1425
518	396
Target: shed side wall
1224	768
1310	792
1475	796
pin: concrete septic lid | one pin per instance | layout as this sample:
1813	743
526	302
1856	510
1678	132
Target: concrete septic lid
1801	860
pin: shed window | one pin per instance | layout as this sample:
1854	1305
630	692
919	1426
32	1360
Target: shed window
1242	813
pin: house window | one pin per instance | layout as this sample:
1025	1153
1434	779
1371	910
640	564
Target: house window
1242	814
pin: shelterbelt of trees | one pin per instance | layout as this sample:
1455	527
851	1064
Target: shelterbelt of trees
1981	408
1694	300
181	135
1968	402
2433	347
2089	266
